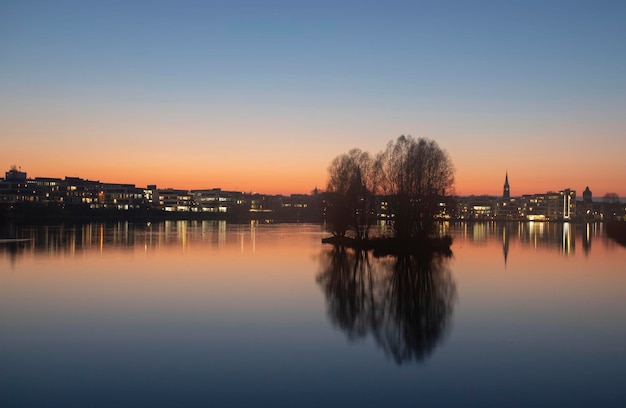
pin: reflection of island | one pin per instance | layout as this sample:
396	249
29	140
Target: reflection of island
405	303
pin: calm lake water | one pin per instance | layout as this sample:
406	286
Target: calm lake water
215	314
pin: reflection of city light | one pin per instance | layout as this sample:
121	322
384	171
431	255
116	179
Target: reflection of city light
253	234
567	239
101	237
221	231
480	232
182	231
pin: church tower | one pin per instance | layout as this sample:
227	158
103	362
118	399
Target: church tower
506	193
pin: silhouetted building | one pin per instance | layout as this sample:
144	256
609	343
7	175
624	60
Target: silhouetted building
15	187
76	192
506	193
587	198
15	175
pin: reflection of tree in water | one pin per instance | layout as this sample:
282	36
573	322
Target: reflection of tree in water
348	280
404	302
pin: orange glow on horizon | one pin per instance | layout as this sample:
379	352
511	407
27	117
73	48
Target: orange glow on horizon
256	178
294	180
274	164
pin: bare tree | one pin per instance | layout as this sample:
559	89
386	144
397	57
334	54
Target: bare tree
611	198
611	206
350	189
416	175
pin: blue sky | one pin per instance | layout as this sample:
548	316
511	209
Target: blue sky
501	85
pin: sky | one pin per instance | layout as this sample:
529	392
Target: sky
260	96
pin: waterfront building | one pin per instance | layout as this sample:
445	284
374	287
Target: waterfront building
551	206
151	196
587	196
506	207
506	193
476	207
51	190
567	201
119	196
96	194
174	200
217	201
586	209
15	187
533	208
75	191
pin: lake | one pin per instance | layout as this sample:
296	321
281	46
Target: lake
208	313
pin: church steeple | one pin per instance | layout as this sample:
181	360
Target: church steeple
506	192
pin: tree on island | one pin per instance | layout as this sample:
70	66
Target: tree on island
352	183
414	176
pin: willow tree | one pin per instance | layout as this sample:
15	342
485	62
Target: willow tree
352	181
415	175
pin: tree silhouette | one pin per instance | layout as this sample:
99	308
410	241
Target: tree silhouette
415	176
348	281
351	186
405	303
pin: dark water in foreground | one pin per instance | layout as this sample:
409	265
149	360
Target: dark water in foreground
214	314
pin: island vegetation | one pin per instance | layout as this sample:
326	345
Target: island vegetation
411	176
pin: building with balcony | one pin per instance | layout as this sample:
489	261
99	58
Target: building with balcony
217	201
174	200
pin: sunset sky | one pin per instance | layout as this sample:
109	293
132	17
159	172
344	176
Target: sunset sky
262	95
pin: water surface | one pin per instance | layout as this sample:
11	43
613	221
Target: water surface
209	313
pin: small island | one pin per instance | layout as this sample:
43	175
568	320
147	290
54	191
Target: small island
411	177
383	246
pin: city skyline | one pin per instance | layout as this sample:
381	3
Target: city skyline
16	172
261	97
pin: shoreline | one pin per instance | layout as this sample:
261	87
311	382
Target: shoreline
395	246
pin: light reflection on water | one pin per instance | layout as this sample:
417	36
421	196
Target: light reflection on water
205	312
152	236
